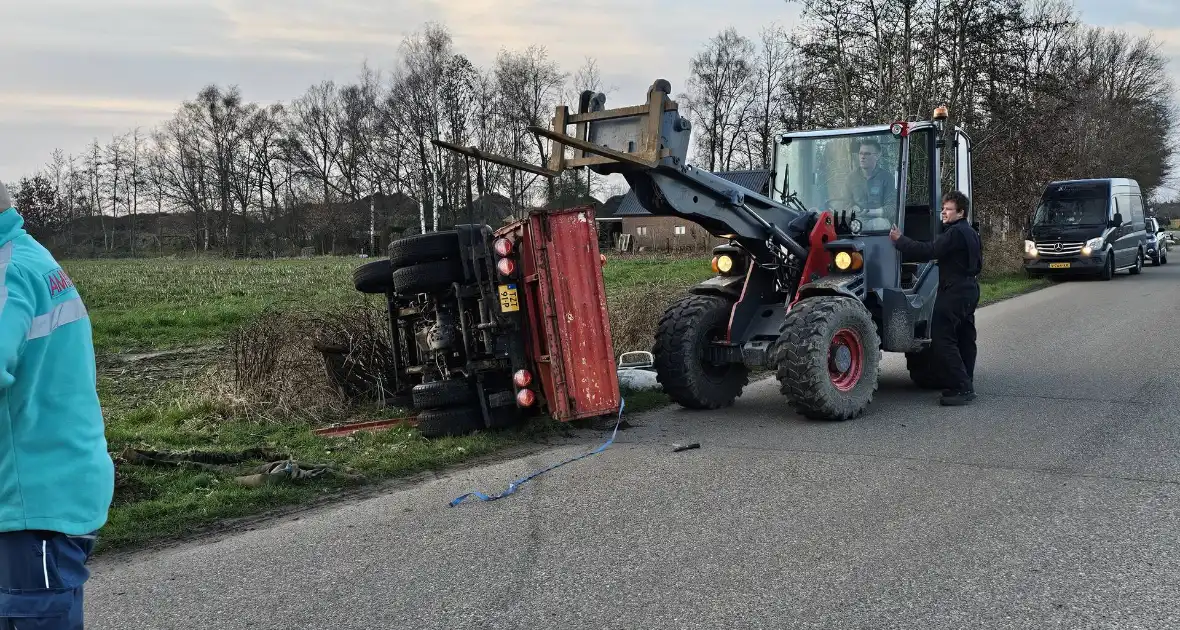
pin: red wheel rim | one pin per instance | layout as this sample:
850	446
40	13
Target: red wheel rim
845	359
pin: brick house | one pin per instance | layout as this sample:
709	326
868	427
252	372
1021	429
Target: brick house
664	233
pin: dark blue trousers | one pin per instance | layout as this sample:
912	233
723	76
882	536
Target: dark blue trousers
41	580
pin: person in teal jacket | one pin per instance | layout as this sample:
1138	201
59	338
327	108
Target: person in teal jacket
56	477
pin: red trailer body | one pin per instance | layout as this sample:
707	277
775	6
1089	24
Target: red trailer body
568	336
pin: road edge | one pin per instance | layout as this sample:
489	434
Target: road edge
221	530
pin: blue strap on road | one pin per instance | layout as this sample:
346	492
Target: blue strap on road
516	484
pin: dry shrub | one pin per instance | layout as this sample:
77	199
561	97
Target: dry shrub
1002	256
635	313
306	365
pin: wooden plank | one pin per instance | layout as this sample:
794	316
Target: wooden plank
626	158
496	159
651	131
622	112
595	160
557	149
592	160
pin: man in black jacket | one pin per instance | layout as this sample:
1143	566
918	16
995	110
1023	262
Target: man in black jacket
958	251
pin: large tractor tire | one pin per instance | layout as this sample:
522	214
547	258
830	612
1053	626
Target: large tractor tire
684	333
924	370
373	278
421	248
443	394
436	423
828	357
430	277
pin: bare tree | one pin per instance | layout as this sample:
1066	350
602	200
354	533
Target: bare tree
721	96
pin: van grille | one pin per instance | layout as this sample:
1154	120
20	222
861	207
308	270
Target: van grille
1059	249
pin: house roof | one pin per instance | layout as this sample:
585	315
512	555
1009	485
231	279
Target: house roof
756	180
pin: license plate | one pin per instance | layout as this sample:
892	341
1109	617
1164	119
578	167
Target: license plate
509	302
1059	265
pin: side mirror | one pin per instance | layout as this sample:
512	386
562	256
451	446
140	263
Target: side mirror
1117	220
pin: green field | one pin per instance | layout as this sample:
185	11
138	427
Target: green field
183	399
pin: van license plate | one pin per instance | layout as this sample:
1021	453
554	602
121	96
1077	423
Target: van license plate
1059	265
509	302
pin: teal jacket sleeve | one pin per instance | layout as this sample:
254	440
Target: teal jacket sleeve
16	317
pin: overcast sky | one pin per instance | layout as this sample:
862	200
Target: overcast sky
75	70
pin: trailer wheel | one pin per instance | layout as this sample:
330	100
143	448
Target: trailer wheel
420	248
828	356
682	337
923	369
427	277
374	277
442	394
436	423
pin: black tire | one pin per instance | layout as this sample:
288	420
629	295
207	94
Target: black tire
428	247
802	357
1164	257
374	277
684	332
1108	270
1138	268
443	394
924	370
428	277
436	423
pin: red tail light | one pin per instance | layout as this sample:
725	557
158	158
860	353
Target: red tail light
506	266
522	378
502	246
526	398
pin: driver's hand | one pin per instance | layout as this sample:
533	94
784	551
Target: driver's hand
894	233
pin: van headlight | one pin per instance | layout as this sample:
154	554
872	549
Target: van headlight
1092	246
1030	249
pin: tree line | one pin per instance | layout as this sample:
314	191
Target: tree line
347	166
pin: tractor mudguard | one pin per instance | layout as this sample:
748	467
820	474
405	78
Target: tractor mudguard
757	315
848	284
726	286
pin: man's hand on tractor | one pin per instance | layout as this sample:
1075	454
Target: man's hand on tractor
894	233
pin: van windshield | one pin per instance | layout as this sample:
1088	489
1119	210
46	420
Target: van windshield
1067	212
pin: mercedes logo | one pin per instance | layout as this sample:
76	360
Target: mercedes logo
1057	247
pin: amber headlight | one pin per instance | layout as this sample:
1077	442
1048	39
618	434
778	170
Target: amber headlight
848	261
724	264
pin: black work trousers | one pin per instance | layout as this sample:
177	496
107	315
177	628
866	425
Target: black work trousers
953	333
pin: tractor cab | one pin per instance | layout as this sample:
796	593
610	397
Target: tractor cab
872	178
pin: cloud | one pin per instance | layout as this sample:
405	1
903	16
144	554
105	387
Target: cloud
50	106
99	67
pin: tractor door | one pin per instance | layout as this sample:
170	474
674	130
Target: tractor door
922	221
963	170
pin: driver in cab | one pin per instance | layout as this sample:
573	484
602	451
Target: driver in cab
870	188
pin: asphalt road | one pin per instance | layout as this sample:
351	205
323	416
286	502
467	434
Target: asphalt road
1052	502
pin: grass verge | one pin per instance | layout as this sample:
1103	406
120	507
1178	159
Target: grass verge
172	402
